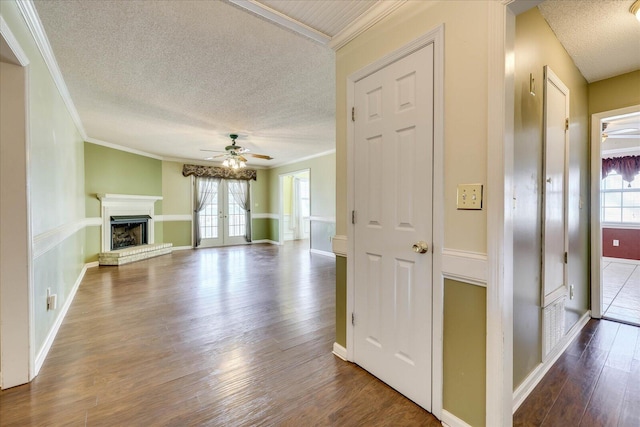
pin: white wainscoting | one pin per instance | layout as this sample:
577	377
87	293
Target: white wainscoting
44	242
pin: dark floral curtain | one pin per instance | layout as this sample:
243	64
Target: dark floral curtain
628	167
216	172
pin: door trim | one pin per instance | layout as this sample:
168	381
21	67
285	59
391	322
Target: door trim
435	37
596	224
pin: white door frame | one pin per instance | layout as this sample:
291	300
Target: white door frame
17	321
435	37
596	223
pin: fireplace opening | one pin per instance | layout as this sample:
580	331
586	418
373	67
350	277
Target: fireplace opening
129	230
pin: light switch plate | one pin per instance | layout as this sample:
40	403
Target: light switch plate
469	196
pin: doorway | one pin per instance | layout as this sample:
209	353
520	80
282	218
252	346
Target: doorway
16	293
393	290
295	206
223	219
616	199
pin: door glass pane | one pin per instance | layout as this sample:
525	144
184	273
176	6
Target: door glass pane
237	215
209	215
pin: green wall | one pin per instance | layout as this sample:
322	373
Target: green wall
617	92
464	355
118	172
107	170
536	46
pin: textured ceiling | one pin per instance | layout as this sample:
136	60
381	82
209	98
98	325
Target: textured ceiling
174	77
601	36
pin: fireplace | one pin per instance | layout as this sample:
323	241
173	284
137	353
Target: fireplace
128	230
130	218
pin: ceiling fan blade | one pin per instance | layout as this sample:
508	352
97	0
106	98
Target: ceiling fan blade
215	157
242	158
261	156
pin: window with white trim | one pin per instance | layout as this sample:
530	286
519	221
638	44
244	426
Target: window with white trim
620	200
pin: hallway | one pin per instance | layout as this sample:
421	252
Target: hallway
596	382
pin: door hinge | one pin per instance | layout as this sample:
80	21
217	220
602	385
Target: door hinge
353	319
566	257
353	114
566	124
353	217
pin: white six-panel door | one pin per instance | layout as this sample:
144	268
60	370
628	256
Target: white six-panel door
393	211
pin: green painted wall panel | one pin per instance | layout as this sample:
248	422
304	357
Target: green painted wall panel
92	244
177	232
464	353
261	229
113	171
341	300
274	230
617	92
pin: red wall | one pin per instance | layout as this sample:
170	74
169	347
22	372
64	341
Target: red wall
629	243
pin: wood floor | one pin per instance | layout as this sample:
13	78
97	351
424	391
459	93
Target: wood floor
596	382
237	336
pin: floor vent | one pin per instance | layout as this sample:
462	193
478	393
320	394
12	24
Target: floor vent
552	326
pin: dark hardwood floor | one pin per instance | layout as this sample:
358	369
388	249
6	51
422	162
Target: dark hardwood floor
596	382
237	336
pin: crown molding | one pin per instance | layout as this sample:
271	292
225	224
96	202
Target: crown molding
123	148
28	11
302	159
13	43
282	20
364	22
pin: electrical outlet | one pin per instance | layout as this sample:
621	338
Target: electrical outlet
616	243
52	300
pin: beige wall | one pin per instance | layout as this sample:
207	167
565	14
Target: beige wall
535	47
617	92
465	152
465	102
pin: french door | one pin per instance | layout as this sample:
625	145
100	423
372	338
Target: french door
223	220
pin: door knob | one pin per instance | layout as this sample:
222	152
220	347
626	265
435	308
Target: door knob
420	247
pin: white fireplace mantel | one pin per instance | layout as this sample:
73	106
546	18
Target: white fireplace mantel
125	204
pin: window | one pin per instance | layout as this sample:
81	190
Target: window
620	200
209	215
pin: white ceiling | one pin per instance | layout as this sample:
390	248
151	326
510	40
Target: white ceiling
173	77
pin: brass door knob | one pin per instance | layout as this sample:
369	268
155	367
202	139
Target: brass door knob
420	247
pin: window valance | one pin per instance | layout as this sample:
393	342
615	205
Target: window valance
628	167
217	172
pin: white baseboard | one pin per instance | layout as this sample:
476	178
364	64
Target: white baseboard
181	248
51	336
450	420
339	351
323	253
527	386
272	242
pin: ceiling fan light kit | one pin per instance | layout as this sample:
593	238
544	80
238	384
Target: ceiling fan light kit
635	9
234	155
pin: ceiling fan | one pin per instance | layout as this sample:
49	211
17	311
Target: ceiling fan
234	155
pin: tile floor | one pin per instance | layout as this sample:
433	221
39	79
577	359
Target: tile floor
621	291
